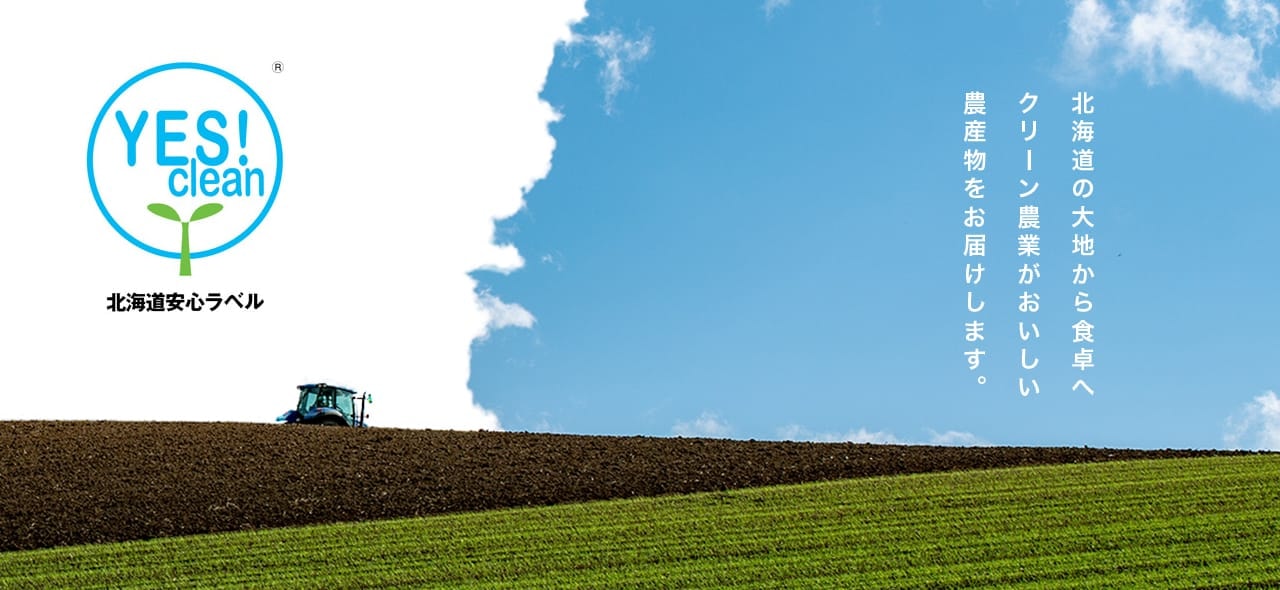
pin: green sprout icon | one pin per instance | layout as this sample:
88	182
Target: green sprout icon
201	212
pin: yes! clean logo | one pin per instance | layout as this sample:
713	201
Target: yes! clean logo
184	161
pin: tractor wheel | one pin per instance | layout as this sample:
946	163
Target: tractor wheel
332	422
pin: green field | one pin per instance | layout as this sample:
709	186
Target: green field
1194	523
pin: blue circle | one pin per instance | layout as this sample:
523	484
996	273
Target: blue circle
275	187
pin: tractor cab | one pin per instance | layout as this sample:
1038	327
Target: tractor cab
328	405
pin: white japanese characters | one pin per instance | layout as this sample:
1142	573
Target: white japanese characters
1027	238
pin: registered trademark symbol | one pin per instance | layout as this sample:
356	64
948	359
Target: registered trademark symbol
277	67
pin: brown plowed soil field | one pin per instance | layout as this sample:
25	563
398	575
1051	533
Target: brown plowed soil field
64	483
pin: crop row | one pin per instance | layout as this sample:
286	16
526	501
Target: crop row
1167	523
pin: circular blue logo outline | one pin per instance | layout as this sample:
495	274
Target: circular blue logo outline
93	138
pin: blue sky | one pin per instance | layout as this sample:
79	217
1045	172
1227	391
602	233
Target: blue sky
753	226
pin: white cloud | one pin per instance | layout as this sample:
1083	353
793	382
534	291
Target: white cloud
619	54
1256	18
1256	425
1166	38
708	424
1089	27
771	6
956	438
502	314
862	435
402	145
556	260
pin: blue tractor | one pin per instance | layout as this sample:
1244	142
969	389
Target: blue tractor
327	405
